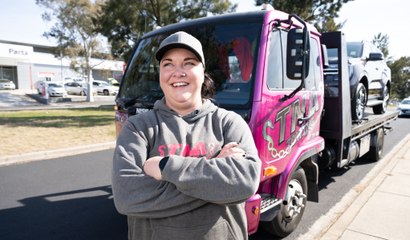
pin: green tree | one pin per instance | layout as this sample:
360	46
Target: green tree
400	74
321	13
123	21
382	43
75	29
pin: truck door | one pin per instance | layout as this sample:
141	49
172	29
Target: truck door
283	131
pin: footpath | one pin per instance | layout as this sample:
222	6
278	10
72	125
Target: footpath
376	208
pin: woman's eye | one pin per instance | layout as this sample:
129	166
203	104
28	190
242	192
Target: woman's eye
189	63
167	64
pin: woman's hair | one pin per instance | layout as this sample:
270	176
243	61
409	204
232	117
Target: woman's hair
208	87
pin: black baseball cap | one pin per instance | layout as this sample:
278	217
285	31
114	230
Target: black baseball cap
181	40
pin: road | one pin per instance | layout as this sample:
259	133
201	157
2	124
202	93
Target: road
65	198
70	197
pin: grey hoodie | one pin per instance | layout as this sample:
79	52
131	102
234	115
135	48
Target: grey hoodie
200	196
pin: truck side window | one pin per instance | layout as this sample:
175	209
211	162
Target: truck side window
275	61
276	79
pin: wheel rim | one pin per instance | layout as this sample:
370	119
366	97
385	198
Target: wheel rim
294	200
360	102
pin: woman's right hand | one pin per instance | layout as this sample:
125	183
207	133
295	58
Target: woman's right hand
231	149
151	167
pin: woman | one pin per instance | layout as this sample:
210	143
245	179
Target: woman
185	169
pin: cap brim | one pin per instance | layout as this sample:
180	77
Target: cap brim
160	53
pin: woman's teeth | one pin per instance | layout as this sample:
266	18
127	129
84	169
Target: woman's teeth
179	84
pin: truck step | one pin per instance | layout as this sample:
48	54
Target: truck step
268	202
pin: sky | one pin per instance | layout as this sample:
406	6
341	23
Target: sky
21	21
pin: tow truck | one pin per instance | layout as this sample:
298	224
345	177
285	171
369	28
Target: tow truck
272	68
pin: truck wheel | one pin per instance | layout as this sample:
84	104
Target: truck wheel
106	92
359	102
376	145
292	207
382	108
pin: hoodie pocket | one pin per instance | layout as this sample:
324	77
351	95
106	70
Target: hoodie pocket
219	230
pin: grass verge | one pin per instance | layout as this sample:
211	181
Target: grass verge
40	130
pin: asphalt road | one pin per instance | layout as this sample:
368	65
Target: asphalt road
65	198
70	197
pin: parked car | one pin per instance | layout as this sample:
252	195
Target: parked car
105	88
7	84
369	77
55	89
404	107
75	88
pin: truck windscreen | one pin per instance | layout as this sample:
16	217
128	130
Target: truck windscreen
230	51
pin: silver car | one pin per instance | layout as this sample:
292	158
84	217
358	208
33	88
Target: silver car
55	89
75	88
404	107
105	88
7	84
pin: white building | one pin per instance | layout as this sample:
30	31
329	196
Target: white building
26	64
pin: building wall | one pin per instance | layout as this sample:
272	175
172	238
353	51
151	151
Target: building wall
24	79
25	67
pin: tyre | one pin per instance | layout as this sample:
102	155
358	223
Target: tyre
106	92
359	101
382	108
376	145
292	207
82	93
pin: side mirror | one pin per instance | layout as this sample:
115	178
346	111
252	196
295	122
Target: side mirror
298	51
375	56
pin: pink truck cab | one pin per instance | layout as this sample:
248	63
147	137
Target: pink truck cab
269	67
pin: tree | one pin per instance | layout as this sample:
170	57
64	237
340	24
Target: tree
382	43
123	21
75	30
321	13
400	74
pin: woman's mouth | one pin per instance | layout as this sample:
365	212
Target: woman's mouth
179	84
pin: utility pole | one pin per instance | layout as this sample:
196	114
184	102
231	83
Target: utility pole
90	96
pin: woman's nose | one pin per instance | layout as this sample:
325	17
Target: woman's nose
179	74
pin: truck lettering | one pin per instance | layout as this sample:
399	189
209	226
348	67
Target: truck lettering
297	109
